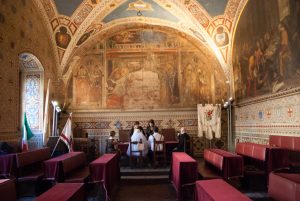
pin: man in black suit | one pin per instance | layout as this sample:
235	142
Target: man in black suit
183	137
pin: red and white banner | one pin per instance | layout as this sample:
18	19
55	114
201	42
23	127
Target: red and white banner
66	134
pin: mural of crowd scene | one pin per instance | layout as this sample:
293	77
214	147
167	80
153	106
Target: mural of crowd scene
145	69
267	48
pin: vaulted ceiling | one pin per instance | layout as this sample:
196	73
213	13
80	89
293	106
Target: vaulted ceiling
210	23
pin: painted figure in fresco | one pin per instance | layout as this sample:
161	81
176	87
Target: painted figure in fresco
187	74
81	86
95	84
284	52
168	76
221	37
62	37
252	75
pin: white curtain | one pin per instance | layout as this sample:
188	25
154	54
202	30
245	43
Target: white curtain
209	120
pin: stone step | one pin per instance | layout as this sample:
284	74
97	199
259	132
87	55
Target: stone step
145	179
144	172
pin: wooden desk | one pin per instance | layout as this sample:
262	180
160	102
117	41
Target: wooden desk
53	167
183	171
106	170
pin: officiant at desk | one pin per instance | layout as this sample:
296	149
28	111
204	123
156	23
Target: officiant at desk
183	138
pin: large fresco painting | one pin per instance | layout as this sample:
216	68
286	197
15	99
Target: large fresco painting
145	69
266	54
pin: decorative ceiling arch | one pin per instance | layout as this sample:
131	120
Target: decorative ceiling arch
45	18
211	21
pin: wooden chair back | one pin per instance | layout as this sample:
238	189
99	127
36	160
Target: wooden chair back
159	151
124	135
169	134
139	156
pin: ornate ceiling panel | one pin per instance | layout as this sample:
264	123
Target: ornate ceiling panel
210	22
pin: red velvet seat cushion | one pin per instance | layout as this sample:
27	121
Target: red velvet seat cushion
284	186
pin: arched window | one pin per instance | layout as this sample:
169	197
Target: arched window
32	85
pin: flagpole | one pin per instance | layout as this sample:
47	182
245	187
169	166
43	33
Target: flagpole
55	147
59	140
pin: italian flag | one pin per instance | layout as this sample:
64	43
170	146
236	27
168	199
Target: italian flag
26	134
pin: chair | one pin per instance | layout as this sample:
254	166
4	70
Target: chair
140	156
124	135
111	146
188	146
159	151
169	134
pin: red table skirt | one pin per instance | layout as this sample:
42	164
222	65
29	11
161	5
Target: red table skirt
64	192
7	190
183	171
217	190
106	170
53	167
7	164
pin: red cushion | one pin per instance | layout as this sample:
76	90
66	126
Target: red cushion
213	158
240	148
282	188
275	140
259	152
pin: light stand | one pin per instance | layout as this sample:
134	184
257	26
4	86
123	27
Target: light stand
228	106
56	111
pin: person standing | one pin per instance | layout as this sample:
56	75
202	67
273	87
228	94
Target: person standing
150	128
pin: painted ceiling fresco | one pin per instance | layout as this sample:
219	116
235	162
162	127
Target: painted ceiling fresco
214	7
155	11
212	22
67	7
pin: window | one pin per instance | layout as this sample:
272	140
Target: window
32	82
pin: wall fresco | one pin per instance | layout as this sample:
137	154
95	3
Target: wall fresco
144	69
267	48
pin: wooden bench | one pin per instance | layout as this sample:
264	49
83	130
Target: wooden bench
75	169
262	157
224	163
291	145
64	192
29	164
284	184
217	190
